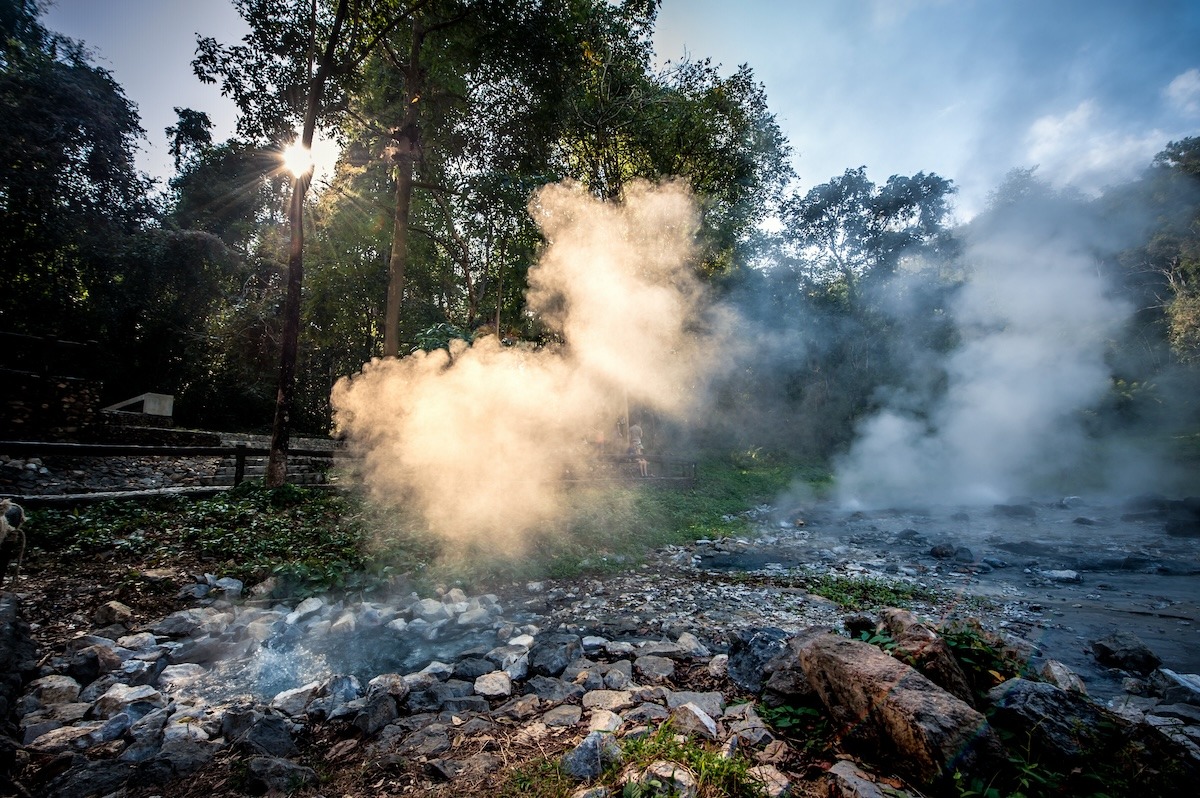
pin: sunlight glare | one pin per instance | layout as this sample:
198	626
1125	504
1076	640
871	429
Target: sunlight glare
298	159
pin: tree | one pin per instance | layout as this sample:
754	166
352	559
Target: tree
296	66
68	190
849	227
190	136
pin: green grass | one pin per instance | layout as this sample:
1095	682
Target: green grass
866	593
314	540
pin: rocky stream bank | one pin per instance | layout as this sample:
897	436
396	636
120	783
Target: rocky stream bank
240	694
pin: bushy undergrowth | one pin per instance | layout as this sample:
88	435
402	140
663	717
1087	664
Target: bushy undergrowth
316	539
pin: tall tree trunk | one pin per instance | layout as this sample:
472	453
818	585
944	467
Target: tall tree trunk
281	428
407	141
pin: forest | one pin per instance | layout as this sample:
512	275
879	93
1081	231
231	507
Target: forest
450	115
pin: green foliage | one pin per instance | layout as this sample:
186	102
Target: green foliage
716	775
855	593
308	538
541	778
805	727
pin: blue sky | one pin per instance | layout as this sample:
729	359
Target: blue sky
1086	90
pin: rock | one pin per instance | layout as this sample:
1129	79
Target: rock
1015	510
603	720
84	778
1126	651
134	701
565	715
663	778
551	654
293	702
1054	672
618	675
333	698
520	708
1062	725
692	720
654	668
232	588
305	610
647	713
497	684
1062	575
589	759
54	689
555	691
774	783
253	732
718	666
174	677
847	780
943	551
711	702
692	647
275	775
1176	688
885	701
749	652
612	700
471	668
112	612
920	646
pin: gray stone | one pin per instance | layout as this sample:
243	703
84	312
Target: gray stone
612	700
712	703
565	715
253	732
1064	726
1126	651
278	776
847	780
556	691
293	702
774	783
604	721
520	708
494	685
654	668
551	654
646	713
1176	688
663	778
749	652
589	759
54	689
691	719
134	701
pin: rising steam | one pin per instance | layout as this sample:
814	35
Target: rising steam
477	439
1034	318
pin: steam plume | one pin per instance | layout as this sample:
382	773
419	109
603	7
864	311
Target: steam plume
478	438
1035	317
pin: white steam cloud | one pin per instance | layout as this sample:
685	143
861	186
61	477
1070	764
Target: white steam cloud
477	440
1034	320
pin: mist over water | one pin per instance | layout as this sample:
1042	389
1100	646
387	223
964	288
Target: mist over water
1035	318
477	439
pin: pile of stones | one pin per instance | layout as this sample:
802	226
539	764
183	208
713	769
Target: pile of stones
143	706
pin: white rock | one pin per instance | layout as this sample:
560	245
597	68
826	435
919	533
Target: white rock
496	684
293	702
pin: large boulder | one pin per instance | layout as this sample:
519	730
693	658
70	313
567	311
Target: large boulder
919	645
926	732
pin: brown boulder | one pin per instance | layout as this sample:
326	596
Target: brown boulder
922	648
926	732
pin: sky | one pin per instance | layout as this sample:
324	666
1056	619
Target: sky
1087	91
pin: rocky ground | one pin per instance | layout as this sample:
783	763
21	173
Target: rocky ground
173	682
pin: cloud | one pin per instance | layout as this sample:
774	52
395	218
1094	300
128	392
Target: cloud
1183	93
1084	150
